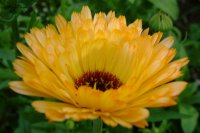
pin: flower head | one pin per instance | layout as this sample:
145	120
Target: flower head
98	67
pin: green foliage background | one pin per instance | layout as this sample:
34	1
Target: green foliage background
18	16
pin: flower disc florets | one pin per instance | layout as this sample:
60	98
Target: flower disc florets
98	80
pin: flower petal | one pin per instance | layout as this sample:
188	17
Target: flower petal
141	124
168	42
109	121
161	96
56	111
22	88
132	115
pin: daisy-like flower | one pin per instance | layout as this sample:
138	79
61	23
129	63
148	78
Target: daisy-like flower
98	67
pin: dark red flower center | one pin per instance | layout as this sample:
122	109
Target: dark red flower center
101	80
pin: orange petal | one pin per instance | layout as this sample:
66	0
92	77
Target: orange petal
128	115
56	111
156	38
86	13
109	121
167	74
26	52
141	124
161	96
54	115
168	42
20	87
122	122
145	32
162	102
60	22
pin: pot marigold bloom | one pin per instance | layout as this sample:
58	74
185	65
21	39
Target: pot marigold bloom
98	67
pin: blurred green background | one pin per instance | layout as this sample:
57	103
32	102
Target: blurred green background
179	18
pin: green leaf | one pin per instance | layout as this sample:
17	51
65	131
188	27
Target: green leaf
189	124
4	84
120	129
45	124
189	96
34	22
181	51
191	88
38	131
6	73
194	99
66	9
24	125
5	36
54	127
26	3
164	126
10	9
158	114
194	33
168	6
7	54
192	46
131	1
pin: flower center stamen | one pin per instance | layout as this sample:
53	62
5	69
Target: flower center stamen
99	80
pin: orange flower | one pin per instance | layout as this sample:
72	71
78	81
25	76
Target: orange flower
98	68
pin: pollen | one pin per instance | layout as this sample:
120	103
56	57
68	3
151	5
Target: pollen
99	80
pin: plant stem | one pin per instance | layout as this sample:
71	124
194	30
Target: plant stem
97	126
